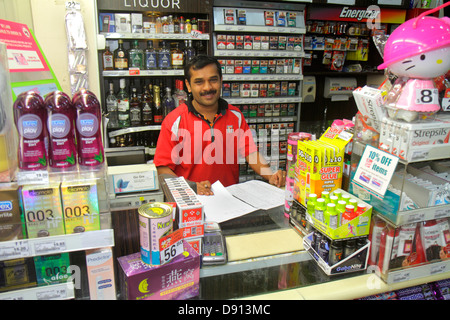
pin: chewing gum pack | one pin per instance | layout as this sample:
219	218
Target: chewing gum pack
319	165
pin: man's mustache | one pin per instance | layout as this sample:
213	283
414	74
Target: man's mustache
208	92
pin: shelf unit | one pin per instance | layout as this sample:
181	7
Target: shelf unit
195	8
405	225
289	73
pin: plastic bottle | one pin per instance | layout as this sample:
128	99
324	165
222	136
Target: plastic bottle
334	199
360	208
332	216
338	193
340	208
310	208
345	197
326	195
30	117
88	125
348	214
61	129
312	197
320	208
336	252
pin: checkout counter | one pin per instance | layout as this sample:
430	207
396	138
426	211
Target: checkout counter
266	260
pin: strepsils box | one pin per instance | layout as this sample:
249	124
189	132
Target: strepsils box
132	178
42	210
369	101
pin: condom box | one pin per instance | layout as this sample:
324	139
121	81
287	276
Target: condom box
175	280
10	214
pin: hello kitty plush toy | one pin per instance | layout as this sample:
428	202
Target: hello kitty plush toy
417	52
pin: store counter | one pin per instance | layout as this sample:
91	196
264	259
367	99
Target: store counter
266	261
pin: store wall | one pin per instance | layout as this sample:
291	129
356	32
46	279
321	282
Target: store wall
48	18
17	11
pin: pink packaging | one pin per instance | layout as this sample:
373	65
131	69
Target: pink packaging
176	280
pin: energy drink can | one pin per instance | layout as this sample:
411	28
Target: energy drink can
155	221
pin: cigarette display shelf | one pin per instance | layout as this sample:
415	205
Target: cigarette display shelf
284	99
259	53
262	77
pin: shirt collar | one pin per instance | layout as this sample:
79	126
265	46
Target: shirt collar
223	106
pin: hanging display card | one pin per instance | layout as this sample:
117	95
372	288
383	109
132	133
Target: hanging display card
375	170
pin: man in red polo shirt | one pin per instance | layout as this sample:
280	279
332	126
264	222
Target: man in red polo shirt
204	138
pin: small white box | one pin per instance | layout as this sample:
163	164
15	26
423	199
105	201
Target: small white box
123	22
132	178
100	270
136	22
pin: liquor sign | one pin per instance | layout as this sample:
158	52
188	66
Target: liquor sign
182	6
358	14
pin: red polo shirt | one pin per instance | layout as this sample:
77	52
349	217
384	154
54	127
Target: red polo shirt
196	149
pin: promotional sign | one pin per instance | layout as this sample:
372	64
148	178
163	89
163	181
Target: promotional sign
24	54
28	66
375	170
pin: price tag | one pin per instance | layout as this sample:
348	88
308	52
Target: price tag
446	100
32	177
375	170
427	96
196	34
134	71
14	249
171	246
48	247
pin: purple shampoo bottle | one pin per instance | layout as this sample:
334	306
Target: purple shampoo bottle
88	125
62	149
30	117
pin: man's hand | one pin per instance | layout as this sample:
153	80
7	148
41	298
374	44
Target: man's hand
204	188
278	179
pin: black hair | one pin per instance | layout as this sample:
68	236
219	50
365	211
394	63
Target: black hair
199	62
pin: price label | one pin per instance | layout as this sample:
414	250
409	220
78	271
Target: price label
427	96
446	100
13	250
196	34
171	246
32	177
375	170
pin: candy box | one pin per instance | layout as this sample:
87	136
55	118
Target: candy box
175	280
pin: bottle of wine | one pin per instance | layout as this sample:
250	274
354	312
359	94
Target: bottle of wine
120	57
176	25
112	108
157	106
123	104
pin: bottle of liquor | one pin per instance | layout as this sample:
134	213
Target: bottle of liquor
120	57
112	107
179	96
108	60
171	24
146	106
158	25
135	108
188	26
164	57
189	51
177	57
136	56
182	25
176	25
194	24
157	106
165	25
168	102
150	56
123	105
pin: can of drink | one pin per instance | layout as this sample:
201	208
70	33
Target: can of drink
155	221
